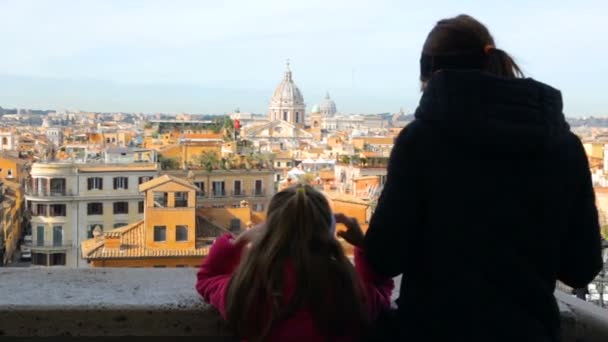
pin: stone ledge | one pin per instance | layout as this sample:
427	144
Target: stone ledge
161	302
104	302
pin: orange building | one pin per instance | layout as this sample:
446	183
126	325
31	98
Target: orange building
12	168
165	238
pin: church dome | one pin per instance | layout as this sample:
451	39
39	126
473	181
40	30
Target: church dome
327	106
315	109
287	92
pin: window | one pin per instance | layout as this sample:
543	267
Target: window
121	183
9	173
57	210
200	186
160	266
95	208
39	259
57	236
160	199
58	186
40	236
285	116
181	233
120	224
181	199
258	207
39	210
258	187
57	259
140	207
218	189
91	229
297	117
95	183
180	266
278	164
4	141
121	207
144	179
160	233
235	225
237	188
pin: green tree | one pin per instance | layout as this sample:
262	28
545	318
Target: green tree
169	163
207	160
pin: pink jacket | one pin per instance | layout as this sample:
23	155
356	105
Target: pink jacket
214	276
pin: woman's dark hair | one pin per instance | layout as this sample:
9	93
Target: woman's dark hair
463	42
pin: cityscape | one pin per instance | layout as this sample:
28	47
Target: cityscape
108	175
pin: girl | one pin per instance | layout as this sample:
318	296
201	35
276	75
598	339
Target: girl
293	282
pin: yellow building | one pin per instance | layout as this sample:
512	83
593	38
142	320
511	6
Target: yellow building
227	188
594	150
12	168
166	237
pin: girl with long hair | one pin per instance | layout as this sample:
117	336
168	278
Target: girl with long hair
288	279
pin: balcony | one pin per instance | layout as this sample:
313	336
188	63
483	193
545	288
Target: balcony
259	192
29	191
238	193
161	302
50	246
218	193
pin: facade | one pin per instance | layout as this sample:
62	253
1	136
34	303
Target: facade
166	237
287	102
68	200
12	168
8	141
228	188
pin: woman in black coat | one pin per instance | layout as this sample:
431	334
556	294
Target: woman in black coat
488	199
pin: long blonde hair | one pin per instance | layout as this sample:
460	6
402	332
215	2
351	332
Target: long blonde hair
298	233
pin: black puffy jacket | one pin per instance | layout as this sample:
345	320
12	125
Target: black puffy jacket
488	202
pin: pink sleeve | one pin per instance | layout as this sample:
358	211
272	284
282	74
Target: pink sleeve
214	274
378	288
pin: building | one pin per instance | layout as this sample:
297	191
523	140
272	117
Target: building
173	232
8	141
287	102
68	200
228	188
327	107
166	237
12	167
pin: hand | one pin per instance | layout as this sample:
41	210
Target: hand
353	233
251	234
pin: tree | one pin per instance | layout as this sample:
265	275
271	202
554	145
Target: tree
169	163
208	160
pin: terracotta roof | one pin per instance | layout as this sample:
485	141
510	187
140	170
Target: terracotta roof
165	179
132	245
203	136
116	167
335	196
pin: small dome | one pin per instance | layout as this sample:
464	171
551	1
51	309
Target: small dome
316	109
328	106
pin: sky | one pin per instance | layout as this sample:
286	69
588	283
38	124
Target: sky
215	56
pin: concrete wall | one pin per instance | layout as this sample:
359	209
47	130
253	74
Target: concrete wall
161	302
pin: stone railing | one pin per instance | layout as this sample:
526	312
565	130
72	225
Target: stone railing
161	302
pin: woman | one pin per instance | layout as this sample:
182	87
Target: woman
294	283
488	199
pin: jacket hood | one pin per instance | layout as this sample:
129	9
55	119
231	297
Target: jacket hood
506	114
